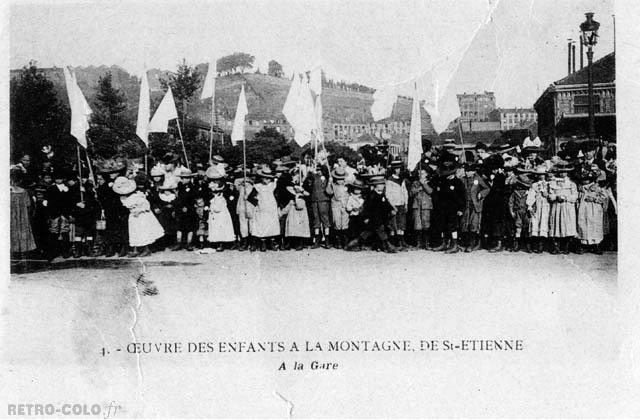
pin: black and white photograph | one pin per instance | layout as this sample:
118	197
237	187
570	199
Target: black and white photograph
317	209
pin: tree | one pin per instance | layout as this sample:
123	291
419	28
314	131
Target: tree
111	133
232	63
184	83
275	69
37	118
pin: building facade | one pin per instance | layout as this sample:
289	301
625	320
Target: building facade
514	118
563	107
476	107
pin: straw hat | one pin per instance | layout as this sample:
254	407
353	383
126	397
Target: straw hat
356	184
265	173
110	166
523	180
339	173
214	173
539	170
217	159
377	180
562	166
185	173
158	171
123	186
170	158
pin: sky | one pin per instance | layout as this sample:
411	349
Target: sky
515	48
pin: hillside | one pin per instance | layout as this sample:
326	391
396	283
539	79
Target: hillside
265	97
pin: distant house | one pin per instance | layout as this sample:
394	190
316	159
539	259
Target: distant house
563	107
476	107
514	118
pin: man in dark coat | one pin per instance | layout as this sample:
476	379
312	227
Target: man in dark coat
376	213
449	204
116	215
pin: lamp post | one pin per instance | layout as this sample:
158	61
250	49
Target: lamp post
589	29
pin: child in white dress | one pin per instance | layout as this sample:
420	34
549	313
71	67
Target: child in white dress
144	228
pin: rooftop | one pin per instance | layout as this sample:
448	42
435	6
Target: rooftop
604	71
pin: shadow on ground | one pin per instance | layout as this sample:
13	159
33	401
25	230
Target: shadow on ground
34	266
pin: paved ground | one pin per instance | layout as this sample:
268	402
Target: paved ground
57	321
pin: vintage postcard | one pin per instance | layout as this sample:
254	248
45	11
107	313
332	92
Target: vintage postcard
260	209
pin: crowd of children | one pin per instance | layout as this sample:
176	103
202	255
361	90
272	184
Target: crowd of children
499	198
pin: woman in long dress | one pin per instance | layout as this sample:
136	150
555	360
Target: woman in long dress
144	228
266	224
21	235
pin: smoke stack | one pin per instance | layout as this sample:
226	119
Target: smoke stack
568	56
573	57
581	55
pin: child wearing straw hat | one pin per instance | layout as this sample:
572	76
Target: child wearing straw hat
376	212
421	207
266	225
591	204
58	201
518	209
339	195
116	215
220	225
538	207
185	213
354	205
245	211
144	229
297	218
398	196
316	182
476	190
563	195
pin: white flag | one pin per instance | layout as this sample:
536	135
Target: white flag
237	133
68	82
290	108
415	134
209	88
383	101
165	112
80	109
144	110
306	122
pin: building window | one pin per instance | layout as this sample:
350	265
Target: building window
581	104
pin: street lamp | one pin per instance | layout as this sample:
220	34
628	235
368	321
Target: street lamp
589	29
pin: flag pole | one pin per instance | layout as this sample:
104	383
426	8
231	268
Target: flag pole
184	150
464	157
244	160
211	128
86	152
79	171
